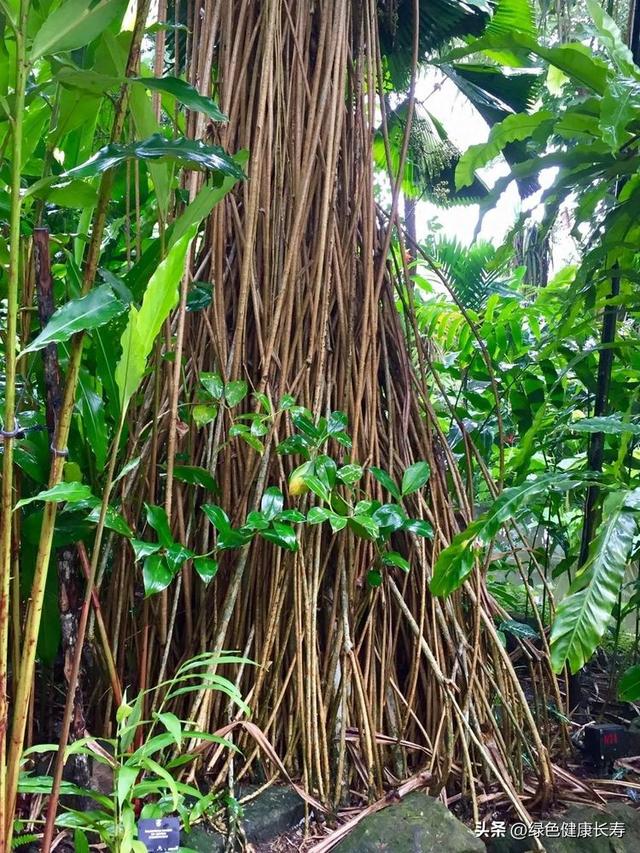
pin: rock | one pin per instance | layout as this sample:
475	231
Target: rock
417	824
615	813
271	813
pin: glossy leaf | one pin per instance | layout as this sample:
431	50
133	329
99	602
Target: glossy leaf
282	535
156	574
415	477
189	153
195	476
385	480
157	519
143	325
95	309
629	685
455	562
74	24
235	392
392	558
206	568
185	93
272	503
67	492
583	615
513	128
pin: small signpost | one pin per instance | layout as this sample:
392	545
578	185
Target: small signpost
160	835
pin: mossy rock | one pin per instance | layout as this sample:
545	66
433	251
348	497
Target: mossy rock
416	824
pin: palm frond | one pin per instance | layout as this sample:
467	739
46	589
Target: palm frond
473	272
440	21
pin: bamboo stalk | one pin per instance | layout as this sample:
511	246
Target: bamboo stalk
9	426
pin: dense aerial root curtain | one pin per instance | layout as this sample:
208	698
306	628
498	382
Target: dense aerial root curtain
355	687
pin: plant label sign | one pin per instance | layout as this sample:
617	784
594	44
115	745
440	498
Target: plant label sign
162	834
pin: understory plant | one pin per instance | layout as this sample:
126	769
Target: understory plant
143	763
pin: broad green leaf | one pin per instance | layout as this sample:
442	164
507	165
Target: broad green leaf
95	309
389	517
74	24
415	477
350	474
189	153
218	517
125	780
272	503
156	574
611	38
143	549
611	425
143	326
185	93
281	534
212	382
206	200
385	480
195	476
206	568
419	527
94	423
455	563
392	558
157	518
619	108
512	129
629	685
519	629
318	514
74	194
68	492
583	615
203	415
574	59
80	842
235	392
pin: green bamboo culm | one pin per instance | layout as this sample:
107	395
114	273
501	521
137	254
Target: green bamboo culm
9	421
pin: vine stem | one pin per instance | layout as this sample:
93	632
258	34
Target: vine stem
6	516
34	615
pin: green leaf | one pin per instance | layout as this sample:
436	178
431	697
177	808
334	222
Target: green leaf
143	549
363	526
419	527
389	517
74	24
80	842
68	492
281	534
374	578
337	422
189	153
455	562
125	780
206	568
185	93
415	477
512	129
350	474
235	392
611	38
392	558
618	110
272	503
95	309
318	514
611	425
74	194
583	615
195	476
172	724
519	629
212	382
156	574
157	518
629	685
385	480
218	517
203	415
143	326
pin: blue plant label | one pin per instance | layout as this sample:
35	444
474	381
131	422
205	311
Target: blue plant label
161	834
